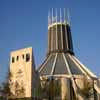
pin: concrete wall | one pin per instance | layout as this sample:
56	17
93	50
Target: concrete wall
21	70
65	89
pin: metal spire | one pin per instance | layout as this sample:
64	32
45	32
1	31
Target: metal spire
52	15
68	15
65	19
60	15
56	16
49	19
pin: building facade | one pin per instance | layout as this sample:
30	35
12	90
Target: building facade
77	82
61	76
22	71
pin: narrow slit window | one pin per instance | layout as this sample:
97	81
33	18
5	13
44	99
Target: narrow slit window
13	60
17	58
27	57
23	56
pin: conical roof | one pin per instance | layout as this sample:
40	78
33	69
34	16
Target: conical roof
60	57
59	63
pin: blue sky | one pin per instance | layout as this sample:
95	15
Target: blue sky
24	23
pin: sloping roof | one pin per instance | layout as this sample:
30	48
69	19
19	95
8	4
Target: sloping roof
56	64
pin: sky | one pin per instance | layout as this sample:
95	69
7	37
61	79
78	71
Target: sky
24	23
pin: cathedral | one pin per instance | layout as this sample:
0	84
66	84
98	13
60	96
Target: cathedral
61	76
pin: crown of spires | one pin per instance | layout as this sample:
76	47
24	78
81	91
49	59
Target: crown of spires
58	16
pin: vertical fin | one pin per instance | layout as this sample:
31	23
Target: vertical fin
52	33
52	15
56	31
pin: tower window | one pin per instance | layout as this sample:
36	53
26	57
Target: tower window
13	60
17	58
23	56
27	57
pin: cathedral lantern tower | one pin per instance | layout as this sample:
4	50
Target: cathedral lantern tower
61	76
60	57
59	35
60	62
